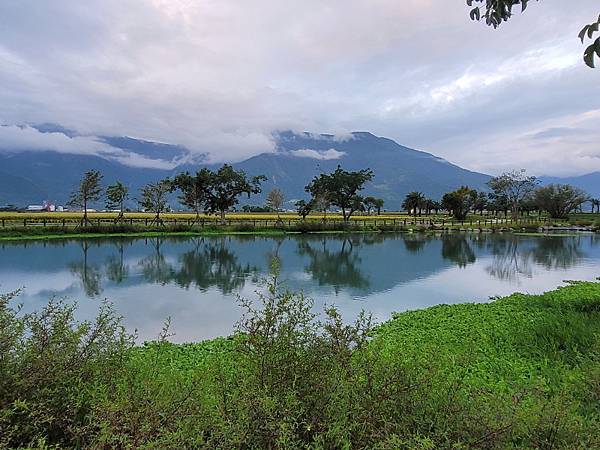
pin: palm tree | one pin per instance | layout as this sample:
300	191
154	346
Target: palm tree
413	202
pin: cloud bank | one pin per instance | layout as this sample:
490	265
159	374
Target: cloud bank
219	77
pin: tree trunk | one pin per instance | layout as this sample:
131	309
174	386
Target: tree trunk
84	219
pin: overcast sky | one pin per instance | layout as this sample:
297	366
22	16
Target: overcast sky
219	76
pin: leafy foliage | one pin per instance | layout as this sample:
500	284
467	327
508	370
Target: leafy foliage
116	194
154	198
513	187
460	202
497	11
226	185
89	190
49	364
559	199
304	208
520	372
593	50
414	202
341	188
193	189
373	203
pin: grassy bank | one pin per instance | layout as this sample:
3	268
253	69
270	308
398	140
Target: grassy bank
111	230
520	372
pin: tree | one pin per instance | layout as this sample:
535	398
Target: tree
321	203
497	11
459	202
226	186
514	186
379	202
154	198
193	190
116	194
369	204
436	206
275	200
595	205
341	188
89	190
304	208
481	202
559	199
373	203
414	201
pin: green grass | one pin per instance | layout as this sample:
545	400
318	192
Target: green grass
112	230
520	372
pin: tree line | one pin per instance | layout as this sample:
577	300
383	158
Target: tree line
513	192
218	191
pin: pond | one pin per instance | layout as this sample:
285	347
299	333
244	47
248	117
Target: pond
195	281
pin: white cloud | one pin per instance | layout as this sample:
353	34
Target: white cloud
19	138
220	76
322	155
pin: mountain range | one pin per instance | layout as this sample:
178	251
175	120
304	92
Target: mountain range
32	176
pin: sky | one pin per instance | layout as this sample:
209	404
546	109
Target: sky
221	76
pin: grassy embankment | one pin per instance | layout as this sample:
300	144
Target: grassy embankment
49	225
522	372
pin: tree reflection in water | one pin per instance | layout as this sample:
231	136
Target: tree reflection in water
414	243
155	267
212	264
116	270
89	274
456	248
515	256
336	268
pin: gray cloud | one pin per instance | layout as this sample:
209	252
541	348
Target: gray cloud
220	76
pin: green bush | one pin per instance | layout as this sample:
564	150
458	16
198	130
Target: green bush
520	372
49	365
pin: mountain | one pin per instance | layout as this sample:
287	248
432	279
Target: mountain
398	169
590	182
33	176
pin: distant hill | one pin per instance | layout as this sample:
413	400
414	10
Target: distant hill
590	182
28	177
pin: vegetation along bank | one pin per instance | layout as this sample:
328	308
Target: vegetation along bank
519	372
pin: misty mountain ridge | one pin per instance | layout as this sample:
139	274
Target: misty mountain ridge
31	176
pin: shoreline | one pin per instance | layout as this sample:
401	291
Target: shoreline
279	232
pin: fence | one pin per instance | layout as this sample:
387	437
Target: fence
361	221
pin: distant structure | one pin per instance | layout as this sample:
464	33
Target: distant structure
47	206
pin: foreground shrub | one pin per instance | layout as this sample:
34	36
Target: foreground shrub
48	363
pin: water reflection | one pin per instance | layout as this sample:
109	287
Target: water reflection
337	267
89	274
458	250
514	257
359	265
212	264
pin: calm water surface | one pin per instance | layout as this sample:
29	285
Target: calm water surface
195	280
